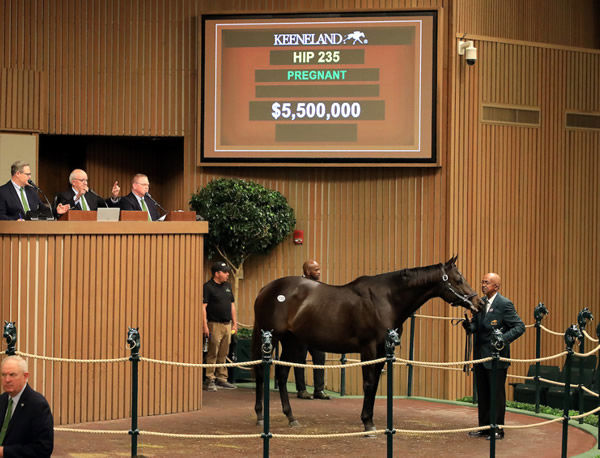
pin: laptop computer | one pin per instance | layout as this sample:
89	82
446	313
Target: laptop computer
108	214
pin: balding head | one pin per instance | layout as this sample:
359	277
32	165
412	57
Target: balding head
312	270
490	284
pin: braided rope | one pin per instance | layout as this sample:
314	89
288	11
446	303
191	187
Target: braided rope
72	360
91	431
588	391
530	325
441	364
534	360
589	336
591	352
550	331
202	436
333	366
439	317
174	363
533	425
585	414
522	377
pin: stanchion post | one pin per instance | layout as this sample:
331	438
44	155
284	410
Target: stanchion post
582	318
598	390
411	354
343	360
391	341
10	334
571	335
133	340
267	351
275	383
538	314
497	344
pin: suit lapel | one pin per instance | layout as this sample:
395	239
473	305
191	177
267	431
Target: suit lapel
16	199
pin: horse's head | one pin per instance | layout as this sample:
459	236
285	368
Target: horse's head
455	290
133	338
10	332
583	317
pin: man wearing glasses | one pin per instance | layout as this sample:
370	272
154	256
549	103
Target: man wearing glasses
79	197
17	197
138	199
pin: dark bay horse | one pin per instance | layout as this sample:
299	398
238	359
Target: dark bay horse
352	318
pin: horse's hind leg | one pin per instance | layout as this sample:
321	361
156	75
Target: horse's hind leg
289	353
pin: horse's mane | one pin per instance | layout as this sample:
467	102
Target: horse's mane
414	276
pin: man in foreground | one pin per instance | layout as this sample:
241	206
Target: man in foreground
27	424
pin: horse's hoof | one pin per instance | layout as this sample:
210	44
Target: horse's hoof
260	423
294	424
368	429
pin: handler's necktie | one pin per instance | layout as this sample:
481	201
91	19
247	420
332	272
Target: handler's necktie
6	420
84	206
145	208
24	200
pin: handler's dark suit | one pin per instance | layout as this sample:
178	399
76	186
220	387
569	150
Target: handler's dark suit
93	202
502	314
30	432
11	206
130	202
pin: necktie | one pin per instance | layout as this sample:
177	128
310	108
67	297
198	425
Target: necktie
24	200
143	202
487	304
83	204
6	420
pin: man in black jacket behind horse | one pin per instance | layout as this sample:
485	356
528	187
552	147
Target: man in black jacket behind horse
499	313
312	270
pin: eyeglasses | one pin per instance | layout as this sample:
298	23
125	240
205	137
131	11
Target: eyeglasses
28	174
83	180
143	184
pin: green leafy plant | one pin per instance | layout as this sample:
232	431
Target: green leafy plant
244	219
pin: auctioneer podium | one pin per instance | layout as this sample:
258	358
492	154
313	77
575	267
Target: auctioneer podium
73	288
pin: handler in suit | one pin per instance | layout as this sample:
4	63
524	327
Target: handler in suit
79	197
16	196
27	427
499	313
137	200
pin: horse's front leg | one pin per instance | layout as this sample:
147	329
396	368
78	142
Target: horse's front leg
371	375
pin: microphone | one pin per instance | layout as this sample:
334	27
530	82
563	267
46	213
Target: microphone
155	202
34	186
91	191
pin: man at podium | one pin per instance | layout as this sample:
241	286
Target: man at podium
79	196
139	199
17	196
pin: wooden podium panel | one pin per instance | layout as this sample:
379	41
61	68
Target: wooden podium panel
79	215
74	287
181	216
133	215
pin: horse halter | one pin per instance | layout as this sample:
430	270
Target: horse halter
462	297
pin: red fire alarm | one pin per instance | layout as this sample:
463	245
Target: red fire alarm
298	236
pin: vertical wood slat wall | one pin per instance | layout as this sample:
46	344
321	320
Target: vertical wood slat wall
114	67
74	296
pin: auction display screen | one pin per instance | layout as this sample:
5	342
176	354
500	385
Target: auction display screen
319	89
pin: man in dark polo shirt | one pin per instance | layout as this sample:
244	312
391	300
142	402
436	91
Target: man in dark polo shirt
219	321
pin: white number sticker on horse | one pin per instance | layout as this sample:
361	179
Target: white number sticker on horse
281	298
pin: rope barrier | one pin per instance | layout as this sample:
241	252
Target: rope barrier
534	360
71	360
551	331
589	353
175	363
91	431
439	317
589	336
588	391
333	366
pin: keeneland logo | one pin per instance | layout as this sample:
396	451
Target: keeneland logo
320	39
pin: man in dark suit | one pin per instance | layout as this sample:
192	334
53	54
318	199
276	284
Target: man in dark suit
27	427
138	200
498	313
16	196
79	197
311	269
